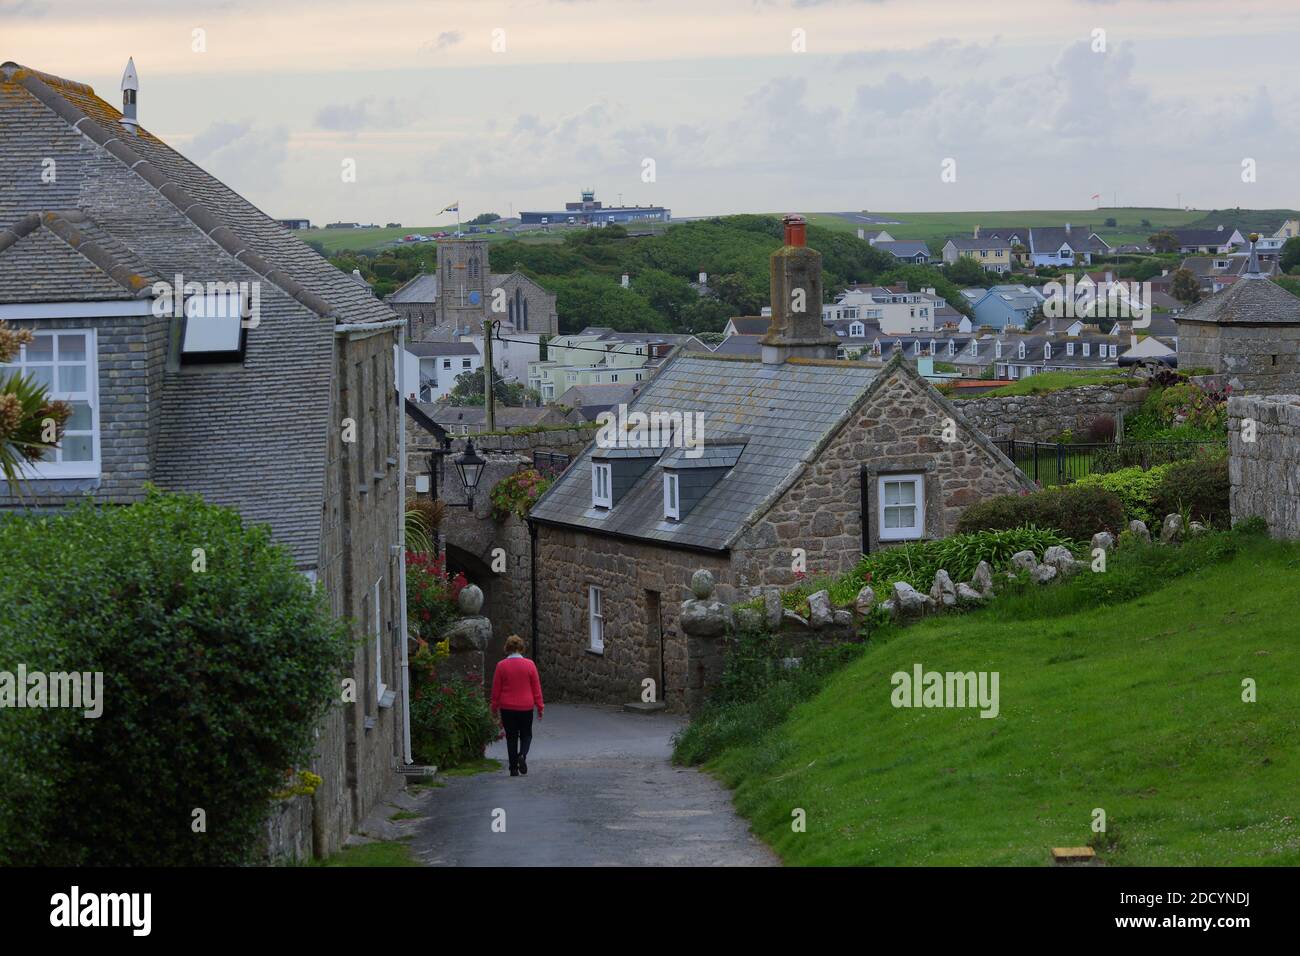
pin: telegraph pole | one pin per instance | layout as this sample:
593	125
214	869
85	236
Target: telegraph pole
489	398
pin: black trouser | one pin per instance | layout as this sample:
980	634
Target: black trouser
518	726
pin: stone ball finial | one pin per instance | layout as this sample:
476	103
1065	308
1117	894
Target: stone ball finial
470	600
702	584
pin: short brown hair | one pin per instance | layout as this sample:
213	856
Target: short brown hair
514	644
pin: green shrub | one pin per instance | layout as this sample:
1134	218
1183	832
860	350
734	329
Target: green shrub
1076	511
1199	486
214	678
1136	488
451	722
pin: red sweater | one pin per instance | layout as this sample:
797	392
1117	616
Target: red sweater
515	685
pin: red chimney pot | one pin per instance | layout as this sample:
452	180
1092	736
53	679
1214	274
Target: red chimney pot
796	230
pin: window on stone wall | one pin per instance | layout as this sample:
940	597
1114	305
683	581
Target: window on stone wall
596	618
902	507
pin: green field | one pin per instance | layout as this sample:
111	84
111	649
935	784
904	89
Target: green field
371	240
1131	706
939	226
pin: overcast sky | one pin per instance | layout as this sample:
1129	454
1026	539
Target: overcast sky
743	105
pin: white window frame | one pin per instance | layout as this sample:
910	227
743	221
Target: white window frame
1020	350
1047	350
1069	348
1087	349
998	349
912	532
602	479
55	468
595	619
672	496
857	330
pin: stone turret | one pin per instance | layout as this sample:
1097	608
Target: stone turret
796	330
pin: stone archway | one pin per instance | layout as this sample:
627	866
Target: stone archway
478	572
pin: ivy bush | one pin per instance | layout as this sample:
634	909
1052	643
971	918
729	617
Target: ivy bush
217	665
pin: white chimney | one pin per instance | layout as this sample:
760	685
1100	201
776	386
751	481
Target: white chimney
704	278
626	281
130	89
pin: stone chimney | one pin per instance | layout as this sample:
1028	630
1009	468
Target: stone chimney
977	231
796	329
130	88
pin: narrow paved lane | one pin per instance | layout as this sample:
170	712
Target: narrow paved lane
600	791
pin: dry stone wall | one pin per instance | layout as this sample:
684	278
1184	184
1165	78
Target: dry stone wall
1044	417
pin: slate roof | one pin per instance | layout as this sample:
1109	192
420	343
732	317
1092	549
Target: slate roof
1254	299
436	349
254	438
783	412
740	345
1051	238
903	248
606	394
63	256
966	243
751	324
422	290
1202	237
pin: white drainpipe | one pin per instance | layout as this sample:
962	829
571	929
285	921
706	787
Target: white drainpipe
401	537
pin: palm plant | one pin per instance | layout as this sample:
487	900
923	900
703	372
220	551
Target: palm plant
30	423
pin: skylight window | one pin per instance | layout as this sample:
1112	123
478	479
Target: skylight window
214	326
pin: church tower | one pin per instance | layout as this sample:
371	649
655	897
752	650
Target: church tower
796	330
463	294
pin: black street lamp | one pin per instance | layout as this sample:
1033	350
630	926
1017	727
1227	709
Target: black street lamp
469	465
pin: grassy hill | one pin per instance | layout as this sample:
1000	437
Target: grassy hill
1131	706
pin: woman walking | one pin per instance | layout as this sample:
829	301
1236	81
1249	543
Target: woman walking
515	691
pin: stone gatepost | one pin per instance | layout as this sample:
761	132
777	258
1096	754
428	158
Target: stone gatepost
706	622
467	637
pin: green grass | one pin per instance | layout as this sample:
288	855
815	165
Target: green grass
1133	707
485	765
380	853
407	815
364	240
1046	382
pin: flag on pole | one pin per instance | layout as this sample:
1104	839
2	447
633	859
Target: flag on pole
1096	195
454	207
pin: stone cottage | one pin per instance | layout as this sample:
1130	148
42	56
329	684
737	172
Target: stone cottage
756	469
207	350
1250	332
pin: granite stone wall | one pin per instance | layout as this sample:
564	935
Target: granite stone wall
1044	417
1265	472
1263	359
